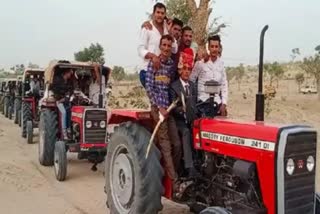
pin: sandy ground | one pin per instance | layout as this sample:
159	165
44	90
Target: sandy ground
28	188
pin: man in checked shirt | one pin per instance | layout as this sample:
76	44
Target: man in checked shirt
157	87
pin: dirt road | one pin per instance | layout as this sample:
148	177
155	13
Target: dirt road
28	188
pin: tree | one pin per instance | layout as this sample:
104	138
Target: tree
179	9
230	72
318	49
295	53
31	65
118	73
275	72
311	65
196	17
18	69
299	79
239	73
95	53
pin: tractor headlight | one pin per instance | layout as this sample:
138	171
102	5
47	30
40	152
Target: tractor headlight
290	166
310	163
102	124
88	124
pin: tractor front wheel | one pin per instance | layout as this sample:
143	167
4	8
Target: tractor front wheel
25	117
17	106
48	129
60	160
133	183
29	132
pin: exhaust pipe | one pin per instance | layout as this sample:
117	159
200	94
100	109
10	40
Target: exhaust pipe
260	95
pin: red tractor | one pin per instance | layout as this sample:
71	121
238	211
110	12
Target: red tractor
246	167
28	108
86	120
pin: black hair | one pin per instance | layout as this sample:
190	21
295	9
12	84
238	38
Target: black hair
167	37
186	28
160	6
178	22
214	38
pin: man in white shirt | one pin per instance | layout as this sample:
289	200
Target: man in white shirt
213	69
148	48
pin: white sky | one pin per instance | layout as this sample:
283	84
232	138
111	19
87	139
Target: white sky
40	30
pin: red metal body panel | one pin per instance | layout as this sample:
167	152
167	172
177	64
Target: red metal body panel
77	114
142	117
265	160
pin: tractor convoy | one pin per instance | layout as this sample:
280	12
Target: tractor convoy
245	167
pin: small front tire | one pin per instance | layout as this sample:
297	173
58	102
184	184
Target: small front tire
60	161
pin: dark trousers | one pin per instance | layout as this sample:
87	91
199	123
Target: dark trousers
185	132
175	142
163	143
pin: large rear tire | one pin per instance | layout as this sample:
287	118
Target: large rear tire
17	107
60	161
25	117
19	118
6	107
133	183
48	129
29	132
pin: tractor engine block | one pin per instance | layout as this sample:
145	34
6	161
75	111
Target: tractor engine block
228	183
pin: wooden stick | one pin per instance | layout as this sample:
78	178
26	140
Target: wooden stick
173	105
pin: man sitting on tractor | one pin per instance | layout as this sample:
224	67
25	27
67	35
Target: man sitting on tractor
35	86
157	87
213	69
185	112
61	90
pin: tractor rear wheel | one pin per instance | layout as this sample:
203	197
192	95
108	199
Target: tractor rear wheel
17	106
6	107
48	129
19	118
60	160
29	132
133	183
25	117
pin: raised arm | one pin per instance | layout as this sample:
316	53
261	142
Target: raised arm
195	72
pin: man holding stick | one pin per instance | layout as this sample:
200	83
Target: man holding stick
157	87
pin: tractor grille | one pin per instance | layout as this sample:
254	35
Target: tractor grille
299	188
95	134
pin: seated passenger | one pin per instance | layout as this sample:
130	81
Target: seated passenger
185	113
61	89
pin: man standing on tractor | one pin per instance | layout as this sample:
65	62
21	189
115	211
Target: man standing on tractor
148	48
157	87
213	69
185	114
61	89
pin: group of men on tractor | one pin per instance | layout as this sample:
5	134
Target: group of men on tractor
173	70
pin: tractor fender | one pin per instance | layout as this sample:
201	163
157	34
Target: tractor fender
118	116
